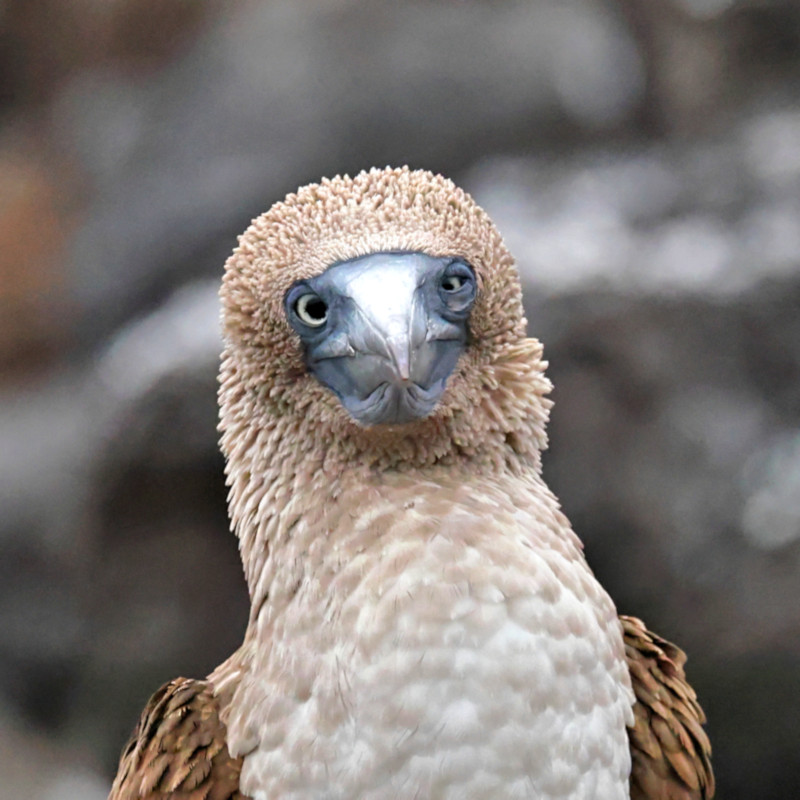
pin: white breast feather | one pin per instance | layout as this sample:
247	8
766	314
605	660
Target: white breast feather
453	673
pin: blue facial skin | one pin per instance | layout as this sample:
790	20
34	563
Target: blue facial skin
384	331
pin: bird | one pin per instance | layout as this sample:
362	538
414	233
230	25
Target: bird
423	621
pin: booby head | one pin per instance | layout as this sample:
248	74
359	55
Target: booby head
385	331
382	316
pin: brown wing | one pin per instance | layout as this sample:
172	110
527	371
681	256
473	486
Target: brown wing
670	751
178	750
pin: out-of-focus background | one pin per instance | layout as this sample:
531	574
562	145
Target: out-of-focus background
642	160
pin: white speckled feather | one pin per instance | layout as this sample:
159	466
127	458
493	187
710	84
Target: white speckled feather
458	652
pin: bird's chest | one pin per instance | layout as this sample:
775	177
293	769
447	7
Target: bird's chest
456	675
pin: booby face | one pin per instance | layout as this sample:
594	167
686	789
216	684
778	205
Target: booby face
384	331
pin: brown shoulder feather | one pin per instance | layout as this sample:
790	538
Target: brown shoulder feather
670	751
178	750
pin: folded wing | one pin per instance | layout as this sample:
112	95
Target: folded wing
670	752
178	750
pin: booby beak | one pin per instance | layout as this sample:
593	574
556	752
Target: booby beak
385	331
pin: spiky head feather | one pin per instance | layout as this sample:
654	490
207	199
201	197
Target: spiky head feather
494	405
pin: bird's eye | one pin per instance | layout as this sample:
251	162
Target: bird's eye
457	287
311	310
452	283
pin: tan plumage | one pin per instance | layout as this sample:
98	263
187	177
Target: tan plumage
396	572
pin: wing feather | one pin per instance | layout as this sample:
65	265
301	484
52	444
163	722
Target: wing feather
178	750
670	751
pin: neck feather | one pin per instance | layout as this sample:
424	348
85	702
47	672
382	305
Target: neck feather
287	458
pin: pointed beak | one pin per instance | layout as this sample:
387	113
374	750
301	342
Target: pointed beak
401	358
389	342
387	315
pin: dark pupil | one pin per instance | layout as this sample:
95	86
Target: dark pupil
316	309
450	284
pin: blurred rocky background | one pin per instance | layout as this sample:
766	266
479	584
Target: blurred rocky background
642	160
